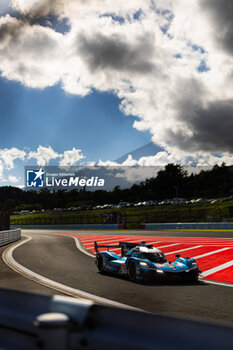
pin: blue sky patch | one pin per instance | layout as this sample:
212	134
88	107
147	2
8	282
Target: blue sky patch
196	47
114	17
203	67
32	117
137	14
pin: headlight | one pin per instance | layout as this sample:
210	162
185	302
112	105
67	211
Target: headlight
143	264
159	271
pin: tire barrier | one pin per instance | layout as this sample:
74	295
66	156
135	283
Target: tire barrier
10	236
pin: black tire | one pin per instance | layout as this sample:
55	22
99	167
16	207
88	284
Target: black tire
192	277
99	264
196	278
132	271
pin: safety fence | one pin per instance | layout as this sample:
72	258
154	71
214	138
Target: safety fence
189	225
29	321
129	218
72	227
9	236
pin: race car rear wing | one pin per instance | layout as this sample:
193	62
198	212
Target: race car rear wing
96	246
124	246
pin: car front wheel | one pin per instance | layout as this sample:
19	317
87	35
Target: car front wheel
132	271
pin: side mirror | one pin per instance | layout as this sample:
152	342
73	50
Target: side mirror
177	255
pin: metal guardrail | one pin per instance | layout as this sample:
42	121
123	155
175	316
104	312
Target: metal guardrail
9	236
72	227
29	321
189	225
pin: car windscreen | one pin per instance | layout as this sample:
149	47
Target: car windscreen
155	257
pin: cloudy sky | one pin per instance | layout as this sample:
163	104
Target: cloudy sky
85	81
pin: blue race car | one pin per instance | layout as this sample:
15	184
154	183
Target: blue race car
143	262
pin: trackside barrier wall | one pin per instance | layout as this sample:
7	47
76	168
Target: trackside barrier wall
29	321
73	227
9	236
189	225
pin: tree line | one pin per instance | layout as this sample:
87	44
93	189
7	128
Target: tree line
173	181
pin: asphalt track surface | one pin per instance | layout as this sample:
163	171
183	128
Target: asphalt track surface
9	279
56	257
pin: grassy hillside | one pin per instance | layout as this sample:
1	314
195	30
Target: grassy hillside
134	216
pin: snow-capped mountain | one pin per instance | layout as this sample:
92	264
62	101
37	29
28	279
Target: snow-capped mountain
149	149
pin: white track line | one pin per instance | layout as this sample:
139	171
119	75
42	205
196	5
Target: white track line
223	284
90	245
108	239
79	246
102	241
182	250
156	242
105	242
119	249
83	250
169	245
217	268
12	263
116	249
210	253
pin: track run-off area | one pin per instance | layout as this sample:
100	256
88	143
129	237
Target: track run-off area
67	259
214	255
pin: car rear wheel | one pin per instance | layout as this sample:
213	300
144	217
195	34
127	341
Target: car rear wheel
132	271
100	264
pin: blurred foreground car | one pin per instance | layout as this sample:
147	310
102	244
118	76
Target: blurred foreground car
33	322
143	262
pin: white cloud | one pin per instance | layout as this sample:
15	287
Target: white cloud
1	169
14	179
71	157
104	163
9	155
43	155
20	186
30	54
137	174
148	53
183	158
134	169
